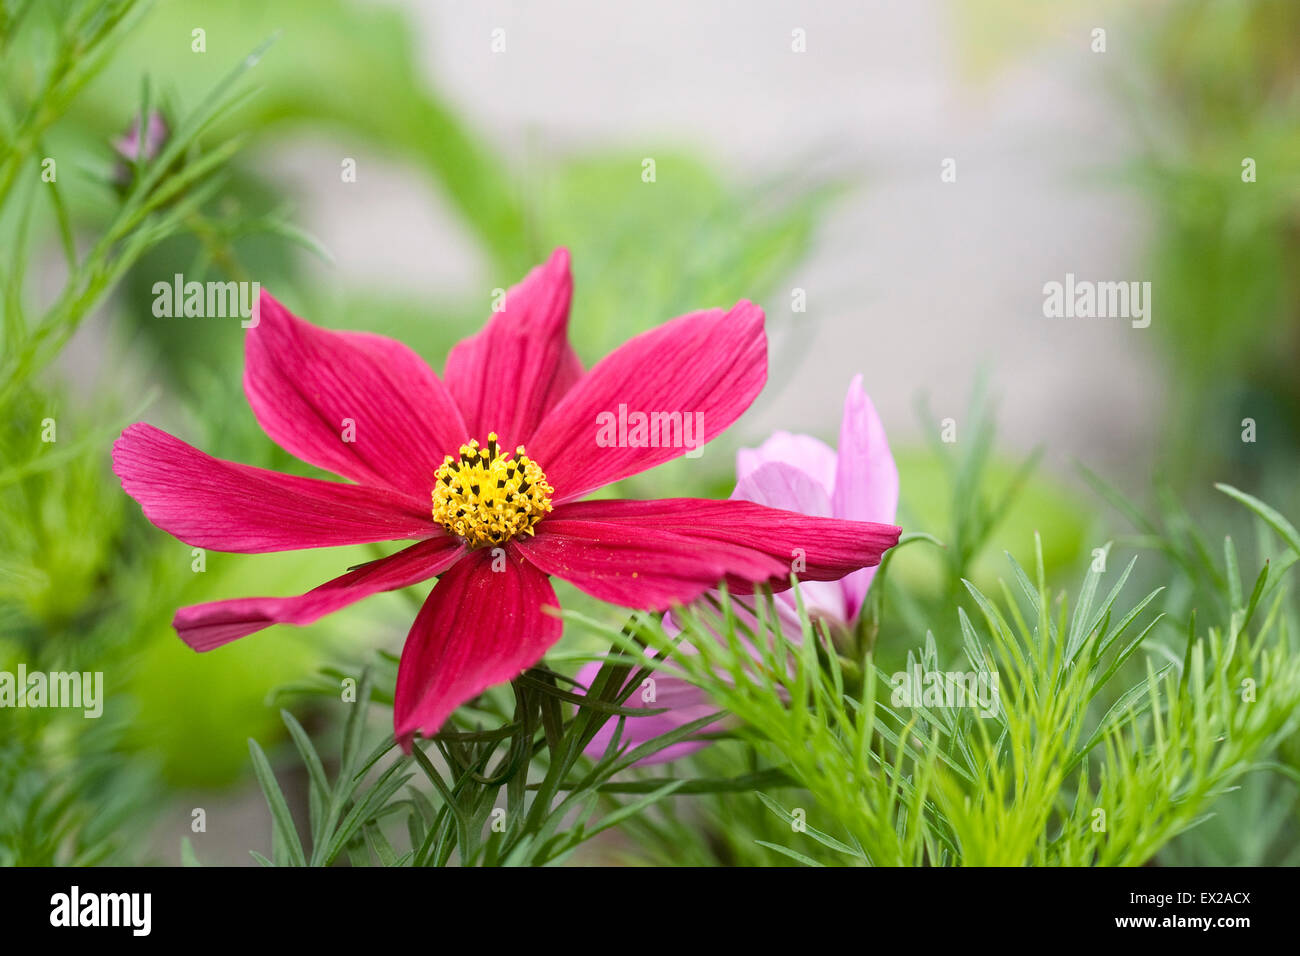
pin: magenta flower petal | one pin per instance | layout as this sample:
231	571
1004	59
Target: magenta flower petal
480	626
808	454
778	485
866	480
210	503
654	554
636	566
681	701
207	626
362	406
508	376
708	365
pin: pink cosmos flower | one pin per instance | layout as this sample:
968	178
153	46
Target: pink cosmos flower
493	526
130	150
155	135
796	473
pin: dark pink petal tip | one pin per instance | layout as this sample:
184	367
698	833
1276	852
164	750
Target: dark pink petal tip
207	626
655	554
210	503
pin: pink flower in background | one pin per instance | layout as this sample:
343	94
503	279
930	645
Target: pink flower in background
491	524
796	473
128	144
804	474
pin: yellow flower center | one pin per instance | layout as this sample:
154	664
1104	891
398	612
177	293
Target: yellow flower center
486	497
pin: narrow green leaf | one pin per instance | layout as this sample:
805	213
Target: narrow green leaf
281	818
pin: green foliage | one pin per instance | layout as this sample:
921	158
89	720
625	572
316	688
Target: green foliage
537	802
1070	770
1225	89
82	808
69	598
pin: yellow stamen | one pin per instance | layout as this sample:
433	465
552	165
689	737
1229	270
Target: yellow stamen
486	497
